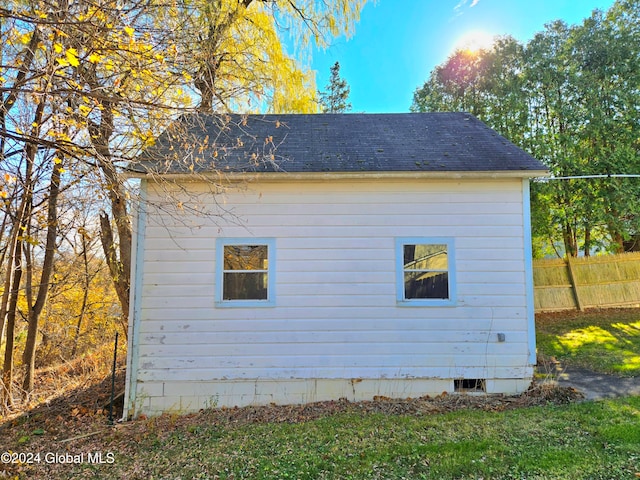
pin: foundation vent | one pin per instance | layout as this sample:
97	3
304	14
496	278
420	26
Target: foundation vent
468	385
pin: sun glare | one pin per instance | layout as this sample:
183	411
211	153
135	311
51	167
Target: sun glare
474	40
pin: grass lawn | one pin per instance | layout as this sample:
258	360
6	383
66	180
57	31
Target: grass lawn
587	440
594	440
606	341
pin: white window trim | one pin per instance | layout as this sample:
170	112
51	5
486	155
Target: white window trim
451	260
271	272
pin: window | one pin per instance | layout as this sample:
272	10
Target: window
425	271
244	272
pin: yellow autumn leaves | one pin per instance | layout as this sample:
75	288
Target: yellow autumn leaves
8	180
151	52
70	56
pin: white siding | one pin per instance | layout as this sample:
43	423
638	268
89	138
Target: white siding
335	314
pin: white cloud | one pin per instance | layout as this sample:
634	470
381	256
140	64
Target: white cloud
463	4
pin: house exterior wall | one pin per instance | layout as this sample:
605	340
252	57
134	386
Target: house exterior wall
336	328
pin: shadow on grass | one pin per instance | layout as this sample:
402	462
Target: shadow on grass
605	341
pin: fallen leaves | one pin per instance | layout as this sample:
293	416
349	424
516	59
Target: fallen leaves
538	394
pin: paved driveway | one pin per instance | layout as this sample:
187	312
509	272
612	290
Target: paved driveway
597	385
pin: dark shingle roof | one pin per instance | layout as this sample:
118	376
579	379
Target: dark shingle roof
405	142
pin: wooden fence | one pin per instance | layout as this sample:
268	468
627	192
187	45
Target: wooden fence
587	282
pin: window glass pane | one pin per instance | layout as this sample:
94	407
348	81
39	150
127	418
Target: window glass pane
245	257
425	257
426	285
245	286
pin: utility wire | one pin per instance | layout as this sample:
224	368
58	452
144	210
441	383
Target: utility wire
605	175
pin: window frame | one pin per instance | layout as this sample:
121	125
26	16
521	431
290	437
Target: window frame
270	243
451	272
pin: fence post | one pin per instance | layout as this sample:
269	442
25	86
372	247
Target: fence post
574	284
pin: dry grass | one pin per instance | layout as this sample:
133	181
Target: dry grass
68	382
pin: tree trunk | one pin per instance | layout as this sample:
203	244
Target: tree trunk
85	296
7	373
5	250
21	223
29	356
119	271
13	239
617	240
569	239
587	241
117	253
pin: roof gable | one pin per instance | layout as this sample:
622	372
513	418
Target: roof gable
297	143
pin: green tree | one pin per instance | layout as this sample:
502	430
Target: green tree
553	120
487	83
571	98
335	97
606	54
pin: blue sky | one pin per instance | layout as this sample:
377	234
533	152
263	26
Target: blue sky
398	42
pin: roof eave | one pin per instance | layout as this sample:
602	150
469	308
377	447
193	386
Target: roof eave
327	176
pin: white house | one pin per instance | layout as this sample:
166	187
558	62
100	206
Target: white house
298	258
